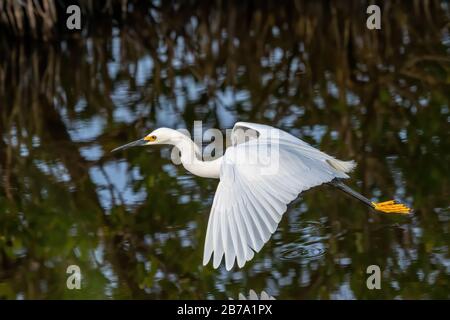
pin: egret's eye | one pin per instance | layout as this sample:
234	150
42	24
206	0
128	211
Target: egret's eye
150	138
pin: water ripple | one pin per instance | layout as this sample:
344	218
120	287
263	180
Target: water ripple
292	251
308	242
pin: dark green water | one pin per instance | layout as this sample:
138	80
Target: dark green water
135	223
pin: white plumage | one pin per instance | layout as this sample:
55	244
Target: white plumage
249	203
259	176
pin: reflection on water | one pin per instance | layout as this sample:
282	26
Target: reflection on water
252	295
135	223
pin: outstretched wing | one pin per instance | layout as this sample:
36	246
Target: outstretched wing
259	177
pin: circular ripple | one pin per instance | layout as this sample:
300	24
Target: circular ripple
293	251
305	227
308	242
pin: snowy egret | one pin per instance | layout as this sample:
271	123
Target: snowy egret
249	202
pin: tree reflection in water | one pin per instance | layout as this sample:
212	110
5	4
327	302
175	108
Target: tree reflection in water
135	223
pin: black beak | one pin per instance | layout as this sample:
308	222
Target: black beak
137	143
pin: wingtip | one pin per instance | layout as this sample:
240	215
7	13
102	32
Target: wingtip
229	264
206	259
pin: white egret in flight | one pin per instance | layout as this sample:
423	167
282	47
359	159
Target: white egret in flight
251	197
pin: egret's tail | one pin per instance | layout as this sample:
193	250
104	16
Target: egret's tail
391	206
343	166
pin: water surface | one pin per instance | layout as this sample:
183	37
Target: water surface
135	223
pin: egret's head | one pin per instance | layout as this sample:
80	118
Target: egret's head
158	136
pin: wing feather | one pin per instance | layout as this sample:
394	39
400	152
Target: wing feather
241	228
248	205
237	245
256	225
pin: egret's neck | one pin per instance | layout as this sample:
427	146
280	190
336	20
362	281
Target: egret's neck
192	162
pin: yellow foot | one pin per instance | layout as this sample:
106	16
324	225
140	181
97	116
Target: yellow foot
391	206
